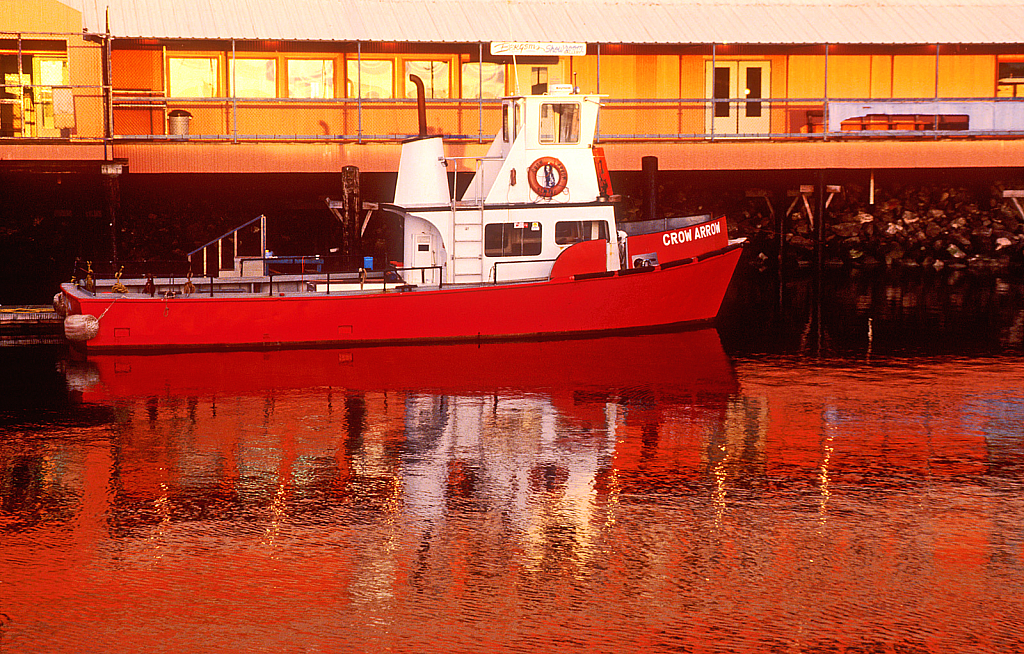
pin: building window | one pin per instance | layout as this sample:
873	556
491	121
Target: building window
435	76
253	78
575	231
377	77
310	78
29	103
52	72
512	239
538	80
559	122
192	77
486	80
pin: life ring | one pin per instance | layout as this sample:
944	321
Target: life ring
552	172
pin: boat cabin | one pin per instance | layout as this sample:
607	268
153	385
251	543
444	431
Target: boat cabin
538	190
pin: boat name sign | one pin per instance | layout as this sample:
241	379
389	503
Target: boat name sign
687	235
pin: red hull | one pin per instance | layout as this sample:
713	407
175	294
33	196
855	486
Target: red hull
688	293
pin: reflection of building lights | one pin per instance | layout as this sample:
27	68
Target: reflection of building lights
823	476
718	497
277	514
824	472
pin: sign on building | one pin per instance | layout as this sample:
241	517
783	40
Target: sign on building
534	48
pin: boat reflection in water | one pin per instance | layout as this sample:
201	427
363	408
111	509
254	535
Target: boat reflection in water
638	493
410	430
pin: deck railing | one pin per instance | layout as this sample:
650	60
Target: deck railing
209	259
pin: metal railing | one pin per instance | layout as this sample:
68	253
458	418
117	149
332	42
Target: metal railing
132	112
250	119
144	116
230	238
492	275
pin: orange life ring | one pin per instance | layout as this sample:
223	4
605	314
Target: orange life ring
552	172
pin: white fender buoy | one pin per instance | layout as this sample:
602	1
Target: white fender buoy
81	327
60	305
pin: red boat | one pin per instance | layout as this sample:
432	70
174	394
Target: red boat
531	249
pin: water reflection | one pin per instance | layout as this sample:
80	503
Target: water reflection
903	312
629	493
518	429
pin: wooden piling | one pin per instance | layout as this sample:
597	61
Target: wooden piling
351	207
649	168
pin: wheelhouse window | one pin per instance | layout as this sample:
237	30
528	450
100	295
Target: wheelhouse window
371	78
483	80
435	75
1011	79
192	77
310	78
510	131
512	239
559	122
574	231
253	78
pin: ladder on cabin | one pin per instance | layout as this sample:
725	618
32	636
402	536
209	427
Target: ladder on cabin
468	242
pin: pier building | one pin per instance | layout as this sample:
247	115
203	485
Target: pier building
201	86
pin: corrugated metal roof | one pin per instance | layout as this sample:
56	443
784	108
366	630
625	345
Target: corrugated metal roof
591	21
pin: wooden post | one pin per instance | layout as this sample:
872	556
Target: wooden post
350	242
649	167
819	227
112	185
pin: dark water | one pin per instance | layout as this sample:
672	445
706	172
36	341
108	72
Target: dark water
838	468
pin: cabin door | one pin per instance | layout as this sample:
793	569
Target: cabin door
424	258
738	88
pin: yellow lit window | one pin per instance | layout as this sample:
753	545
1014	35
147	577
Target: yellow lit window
253	78
435	75
192	77
377	77
310	78
486	80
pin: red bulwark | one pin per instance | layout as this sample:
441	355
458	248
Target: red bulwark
581	258
677	244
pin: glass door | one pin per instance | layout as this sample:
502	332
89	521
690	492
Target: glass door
737	90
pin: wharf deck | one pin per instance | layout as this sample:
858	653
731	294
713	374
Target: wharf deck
30	325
